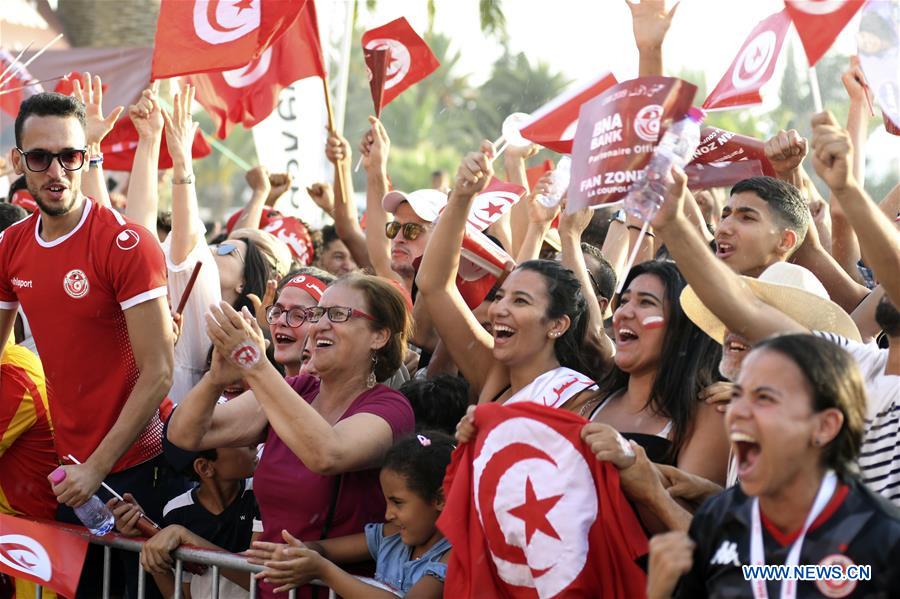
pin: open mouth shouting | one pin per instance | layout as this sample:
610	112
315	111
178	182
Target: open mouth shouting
724	250
625	335
55	191
502	333
747	449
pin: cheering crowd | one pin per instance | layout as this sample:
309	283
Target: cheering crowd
321	410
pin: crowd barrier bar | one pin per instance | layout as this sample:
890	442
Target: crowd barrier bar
215	559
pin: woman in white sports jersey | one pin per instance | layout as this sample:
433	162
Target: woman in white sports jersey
796	423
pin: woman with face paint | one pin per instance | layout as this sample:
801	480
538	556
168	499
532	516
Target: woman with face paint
796	421
662	363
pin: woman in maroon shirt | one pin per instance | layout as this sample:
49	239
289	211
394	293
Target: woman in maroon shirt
325	438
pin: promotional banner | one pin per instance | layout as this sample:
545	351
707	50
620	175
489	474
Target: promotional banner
617	134
411	60
377	61
45	554
196	36
291	140
553	124
249	94
532	513
879	56
819	22
753	67
492	203
718	145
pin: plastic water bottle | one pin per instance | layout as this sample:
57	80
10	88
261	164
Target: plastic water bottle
559	182
676	148
94	514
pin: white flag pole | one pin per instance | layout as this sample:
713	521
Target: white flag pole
814	87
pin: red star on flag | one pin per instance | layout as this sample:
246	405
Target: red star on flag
243	5
493	209
534	513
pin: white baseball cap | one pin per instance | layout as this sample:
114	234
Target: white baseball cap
426	203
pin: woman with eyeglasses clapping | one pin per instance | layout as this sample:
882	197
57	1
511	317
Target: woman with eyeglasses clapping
325	437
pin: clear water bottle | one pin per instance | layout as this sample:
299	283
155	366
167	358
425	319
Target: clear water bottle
676	148
94	513
559	182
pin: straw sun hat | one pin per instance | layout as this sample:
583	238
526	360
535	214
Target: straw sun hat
791	289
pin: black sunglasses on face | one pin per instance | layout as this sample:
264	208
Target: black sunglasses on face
410	230
38	161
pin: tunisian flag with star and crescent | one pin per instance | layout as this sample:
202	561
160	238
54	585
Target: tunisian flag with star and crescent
410	58
493	202
197	36
532	513
249	94
754	65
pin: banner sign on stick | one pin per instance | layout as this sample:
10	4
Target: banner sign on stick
617	133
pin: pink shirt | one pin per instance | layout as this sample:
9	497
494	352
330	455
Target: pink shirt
294	498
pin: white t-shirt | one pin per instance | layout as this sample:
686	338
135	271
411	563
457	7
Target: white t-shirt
194	344
879	458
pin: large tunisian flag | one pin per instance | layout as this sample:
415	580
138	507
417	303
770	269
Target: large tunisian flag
531	513
249	94
194	36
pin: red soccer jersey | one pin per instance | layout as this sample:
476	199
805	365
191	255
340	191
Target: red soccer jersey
74	291
26	437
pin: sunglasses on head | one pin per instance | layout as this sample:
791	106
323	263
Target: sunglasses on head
225	248
410	230
38	161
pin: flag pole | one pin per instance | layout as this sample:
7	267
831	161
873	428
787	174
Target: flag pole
23	66
339	167
814	87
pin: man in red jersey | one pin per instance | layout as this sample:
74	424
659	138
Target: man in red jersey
93	287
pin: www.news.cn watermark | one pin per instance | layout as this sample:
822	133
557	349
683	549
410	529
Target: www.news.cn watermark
808	572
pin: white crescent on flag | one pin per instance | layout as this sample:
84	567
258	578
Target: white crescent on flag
535	497
754	59
26	555
250	73
218	22
400	61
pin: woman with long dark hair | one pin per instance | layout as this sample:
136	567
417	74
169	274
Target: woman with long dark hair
662	363
796	421
538	317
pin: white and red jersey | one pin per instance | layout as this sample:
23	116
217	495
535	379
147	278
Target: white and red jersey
74	291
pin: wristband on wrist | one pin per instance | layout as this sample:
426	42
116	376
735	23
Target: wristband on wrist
96	160
636	228
186	180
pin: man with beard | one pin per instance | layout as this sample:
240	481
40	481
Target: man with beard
93	286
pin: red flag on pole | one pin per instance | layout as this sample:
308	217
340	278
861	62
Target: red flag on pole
377	61
249	94
553	125
532	513
196	36
494	202
753	67
411	60
45	554
482	263
819	22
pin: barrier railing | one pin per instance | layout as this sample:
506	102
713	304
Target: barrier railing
216	560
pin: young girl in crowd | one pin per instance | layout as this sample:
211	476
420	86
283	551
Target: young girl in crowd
410	552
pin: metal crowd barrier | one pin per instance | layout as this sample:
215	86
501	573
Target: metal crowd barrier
215	559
